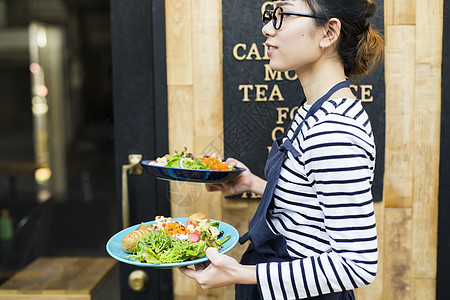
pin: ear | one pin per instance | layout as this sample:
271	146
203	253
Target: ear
332	30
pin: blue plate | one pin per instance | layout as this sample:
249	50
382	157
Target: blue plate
179	174
114	246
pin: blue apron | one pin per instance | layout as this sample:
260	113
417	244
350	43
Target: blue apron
265	245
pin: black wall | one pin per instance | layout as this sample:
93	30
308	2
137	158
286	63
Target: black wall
443	263
140	119
249	123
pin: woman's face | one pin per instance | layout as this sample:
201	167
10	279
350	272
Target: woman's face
295	46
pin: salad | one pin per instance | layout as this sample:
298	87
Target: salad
186	160
169	241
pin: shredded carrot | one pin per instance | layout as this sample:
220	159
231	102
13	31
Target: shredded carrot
215	164
175	228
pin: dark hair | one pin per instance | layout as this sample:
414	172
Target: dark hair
359	46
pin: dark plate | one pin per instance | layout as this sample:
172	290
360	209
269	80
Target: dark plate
201	176
114	246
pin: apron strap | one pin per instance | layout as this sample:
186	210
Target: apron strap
287	145
318	104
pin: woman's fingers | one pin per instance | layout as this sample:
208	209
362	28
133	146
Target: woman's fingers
219	271
188	272
231	161
213	187
202	266
227	188
213	254
238	186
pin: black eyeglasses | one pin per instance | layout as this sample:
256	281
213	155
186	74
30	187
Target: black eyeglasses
278	14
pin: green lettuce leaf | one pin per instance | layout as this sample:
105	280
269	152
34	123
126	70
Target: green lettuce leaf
159	248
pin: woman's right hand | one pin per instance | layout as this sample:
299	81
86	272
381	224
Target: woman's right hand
245	182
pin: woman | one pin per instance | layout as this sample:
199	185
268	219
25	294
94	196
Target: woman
313	234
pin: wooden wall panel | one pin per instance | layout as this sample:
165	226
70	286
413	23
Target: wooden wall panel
195	110
420	145
426	144
181	120
400	12
179	42
397	249
183	289
207	51
400	70
207	70
423	289
426	175
429	24
181	127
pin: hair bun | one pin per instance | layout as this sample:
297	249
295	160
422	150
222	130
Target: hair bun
370	52
360	47
371	9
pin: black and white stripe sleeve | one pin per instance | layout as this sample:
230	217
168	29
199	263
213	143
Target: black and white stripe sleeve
339	159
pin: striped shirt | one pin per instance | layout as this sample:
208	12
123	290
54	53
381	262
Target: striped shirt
322	205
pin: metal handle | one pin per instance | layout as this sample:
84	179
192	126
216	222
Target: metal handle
138	281
134	168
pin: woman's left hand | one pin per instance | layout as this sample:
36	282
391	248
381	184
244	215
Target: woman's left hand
220	270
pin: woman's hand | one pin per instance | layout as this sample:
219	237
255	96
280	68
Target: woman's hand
221	270
246	182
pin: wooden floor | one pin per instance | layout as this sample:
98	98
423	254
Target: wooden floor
76	278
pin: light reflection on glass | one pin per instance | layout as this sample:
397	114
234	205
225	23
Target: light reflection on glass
42	175
39	106
46	50
35	68
37	41
40	90
41	37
